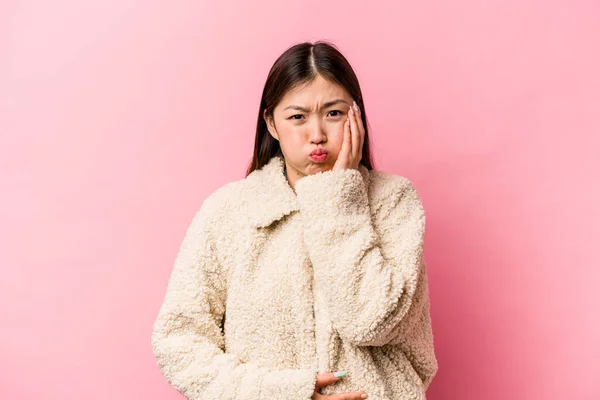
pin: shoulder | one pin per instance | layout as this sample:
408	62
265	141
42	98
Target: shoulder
229	204
214	211
386	185
388	191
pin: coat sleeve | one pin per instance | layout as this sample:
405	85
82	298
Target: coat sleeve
414	335
187	338
368	267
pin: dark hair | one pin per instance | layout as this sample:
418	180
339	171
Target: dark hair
301	64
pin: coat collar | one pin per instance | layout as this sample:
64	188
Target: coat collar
269	196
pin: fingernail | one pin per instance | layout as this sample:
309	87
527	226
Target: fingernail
339	374
355	106
364	396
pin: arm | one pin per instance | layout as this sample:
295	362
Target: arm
414	335
187	341
367	270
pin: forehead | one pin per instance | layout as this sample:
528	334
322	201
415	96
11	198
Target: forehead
318	91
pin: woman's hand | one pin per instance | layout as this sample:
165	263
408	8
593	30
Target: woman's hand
354	134
327	378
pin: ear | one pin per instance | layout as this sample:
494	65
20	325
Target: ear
270	125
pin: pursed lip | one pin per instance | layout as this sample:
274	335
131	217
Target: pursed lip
318	152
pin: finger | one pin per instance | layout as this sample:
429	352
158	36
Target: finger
324	379
361	128
359	119
356	395
344	396
355	133
346	143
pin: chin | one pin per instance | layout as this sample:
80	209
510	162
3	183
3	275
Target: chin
323	167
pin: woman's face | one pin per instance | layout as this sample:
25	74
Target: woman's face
309	117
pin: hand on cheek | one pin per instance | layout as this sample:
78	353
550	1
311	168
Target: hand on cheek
354	133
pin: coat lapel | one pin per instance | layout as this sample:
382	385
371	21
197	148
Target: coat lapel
270	197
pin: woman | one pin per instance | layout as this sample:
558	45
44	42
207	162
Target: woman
312	263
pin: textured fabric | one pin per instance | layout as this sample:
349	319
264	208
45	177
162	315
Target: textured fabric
271	287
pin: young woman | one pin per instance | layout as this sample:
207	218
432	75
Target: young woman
312	263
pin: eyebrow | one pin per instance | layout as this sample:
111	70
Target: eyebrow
325	105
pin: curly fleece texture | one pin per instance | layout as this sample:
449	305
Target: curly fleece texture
272	286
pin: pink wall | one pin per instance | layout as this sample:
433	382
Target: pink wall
118	117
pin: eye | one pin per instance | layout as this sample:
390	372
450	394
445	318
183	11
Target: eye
293	117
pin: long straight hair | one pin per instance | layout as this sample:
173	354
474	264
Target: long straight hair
301	64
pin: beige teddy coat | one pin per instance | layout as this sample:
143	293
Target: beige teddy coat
272	286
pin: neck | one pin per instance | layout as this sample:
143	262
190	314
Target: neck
286	177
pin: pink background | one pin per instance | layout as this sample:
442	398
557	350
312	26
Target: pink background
117	118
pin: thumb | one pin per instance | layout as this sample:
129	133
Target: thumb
327	378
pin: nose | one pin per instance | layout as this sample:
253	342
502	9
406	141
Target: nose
317	134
